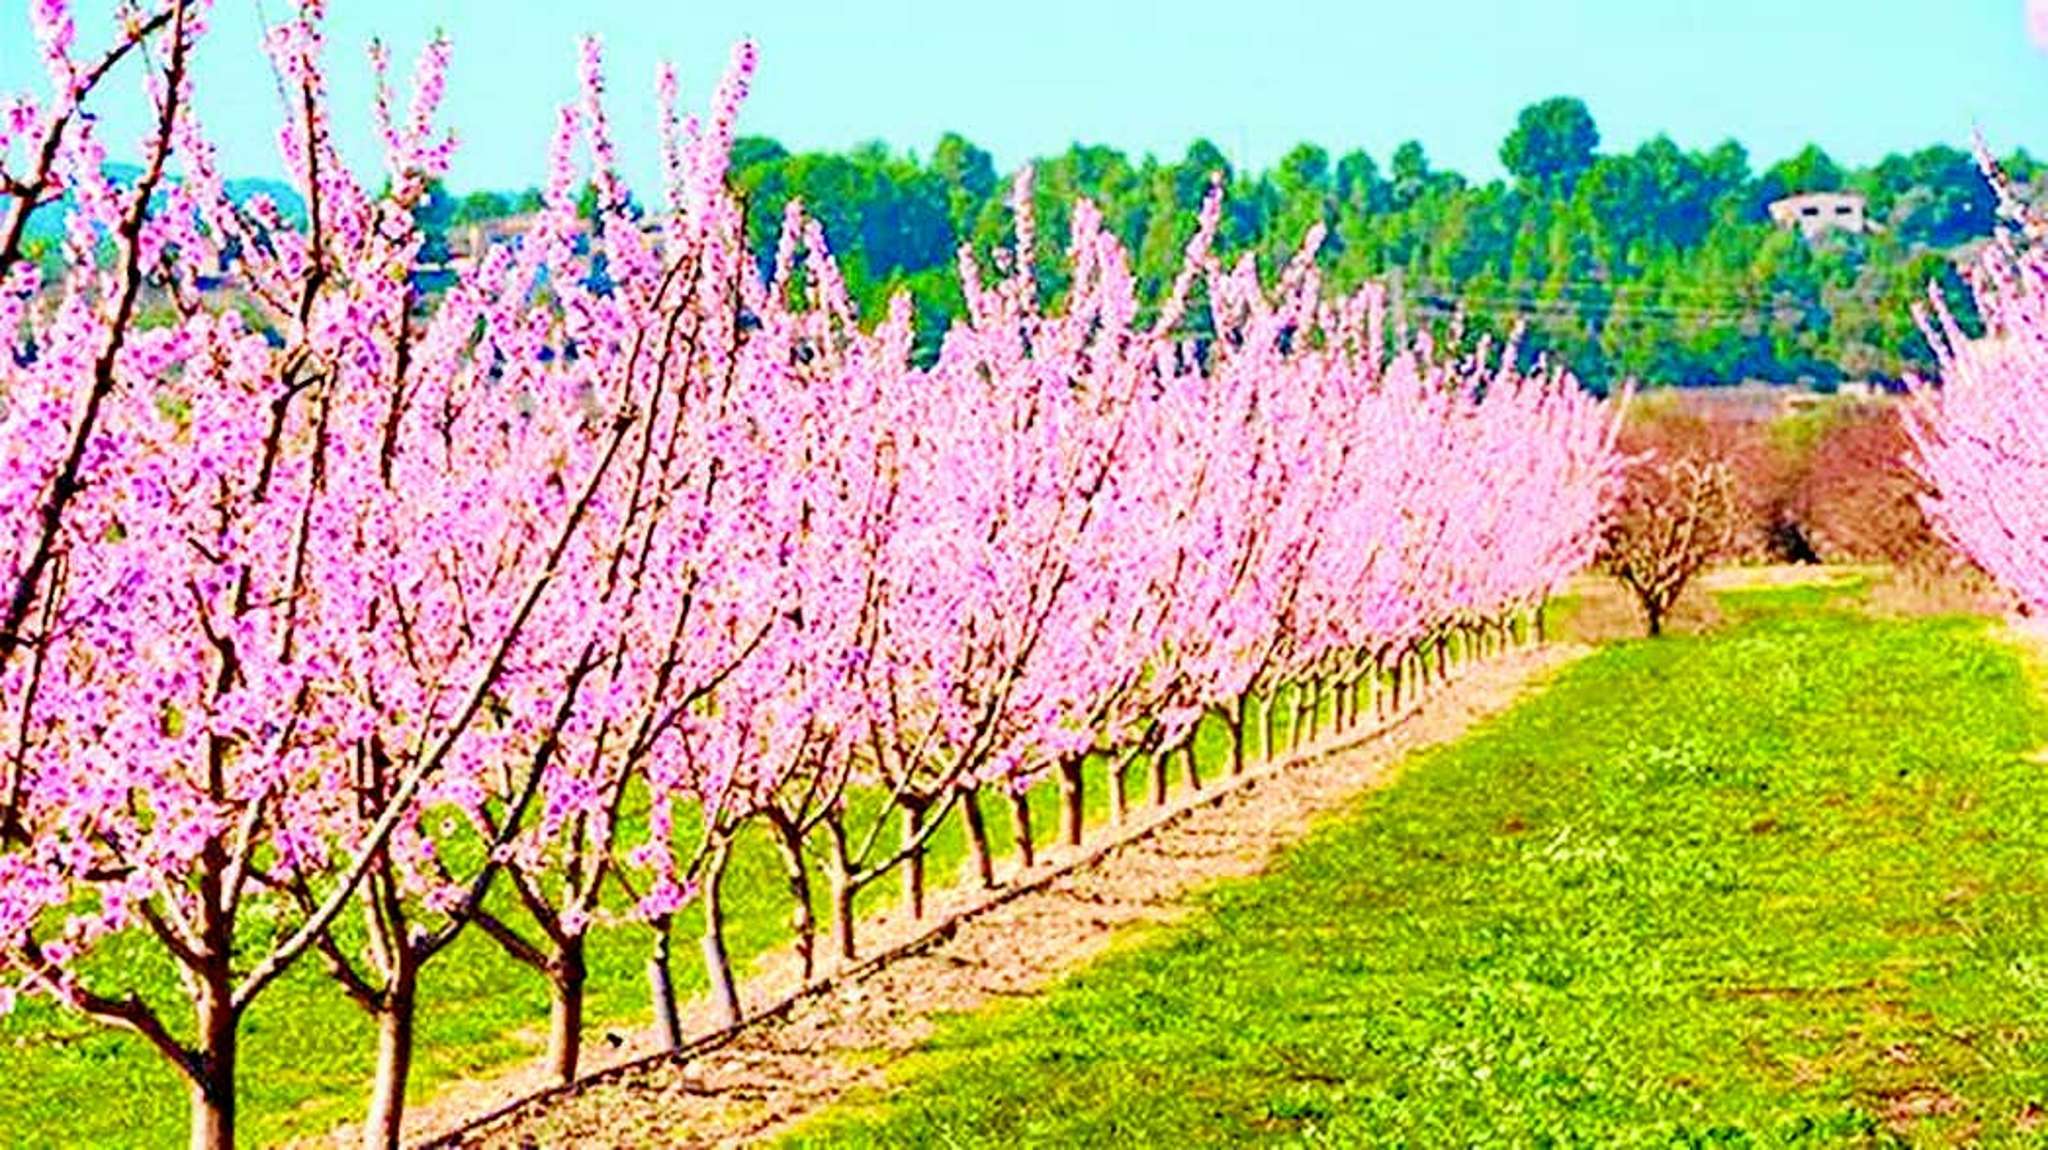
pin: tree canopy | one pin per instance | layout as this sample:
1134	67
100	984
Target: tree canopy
1657	263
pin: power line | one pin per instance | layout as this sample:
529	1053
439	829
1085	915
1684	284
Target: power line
1605	290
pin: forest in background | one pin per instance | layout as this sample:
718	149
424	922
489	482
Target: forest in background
1659	264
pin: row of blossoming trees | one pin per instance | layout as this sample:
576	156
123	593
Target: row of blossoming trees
335	632
1980	439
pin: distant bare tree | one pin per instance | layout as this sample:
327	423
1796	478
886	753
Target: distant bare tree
1676	514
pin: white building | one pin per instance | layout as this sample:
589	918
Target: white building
1818	213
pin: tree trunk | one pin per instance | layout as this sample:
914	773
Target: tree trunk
977	837
1394	686
1157	777
725	993
1299	727
1020	827
1655	615
1268	744
1539	624
565	1011
913	860
1443	659
213	1091
796	870
395	1015
1119	793
1315	708
1073	801
1234	716
843	891
661	987
1190	769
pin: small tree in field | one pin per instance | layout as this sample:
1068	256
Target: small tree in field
1674	516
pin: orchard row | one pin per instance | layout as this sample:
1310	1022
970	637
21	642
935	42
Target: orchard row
336	612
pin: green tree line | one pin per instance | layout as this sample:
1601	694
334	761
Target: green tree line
1659	264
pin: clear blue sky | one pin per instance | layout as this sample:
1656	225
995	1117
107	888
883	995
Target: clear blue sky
1861	77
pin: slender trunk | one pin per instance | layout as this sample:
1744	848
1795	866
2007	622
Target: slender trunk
1020	827
213	1091
1234	716
913	860
725	993
1541	637
395	1015
1315	707
1157	776
1394	685
977	837
1119	793
843	891
796	871
1656	619
565	1011
1443	659
1268	744
1073	801
661	987
1190	768
1299	727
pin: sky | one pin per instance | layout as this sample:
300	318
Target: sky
1860	77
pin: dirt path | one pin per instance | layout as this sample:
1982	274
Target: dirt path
813	1049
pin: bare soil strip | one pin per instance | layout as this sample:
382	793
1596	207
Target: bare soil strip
805	1047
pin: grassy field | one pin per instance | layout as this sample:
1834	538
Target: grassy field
1778	884
308	1053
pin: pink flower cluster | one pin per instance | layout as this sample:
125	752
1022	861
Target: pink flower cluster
1981	437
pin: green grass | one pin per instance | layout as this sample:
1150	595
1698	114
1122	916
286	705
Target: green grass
1778	885
308	1053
